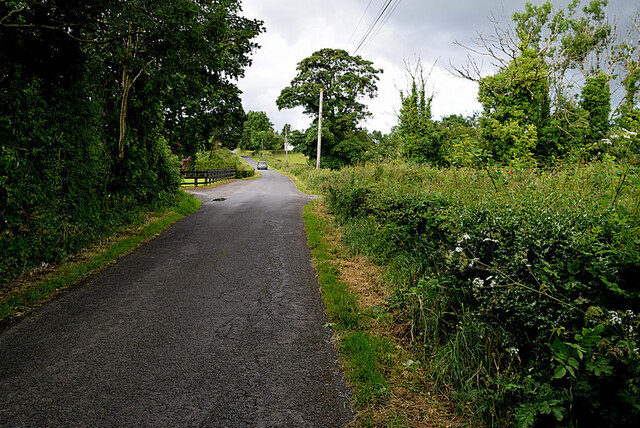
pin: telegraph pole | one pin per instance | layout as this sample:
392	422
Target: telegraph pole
286	152
319	131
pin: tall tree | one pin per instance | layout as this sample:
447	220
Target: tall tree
257	132
558	64
345	81
91	93
415	125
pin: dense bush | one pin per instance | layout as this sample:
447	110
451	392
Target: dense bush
520	288
87	114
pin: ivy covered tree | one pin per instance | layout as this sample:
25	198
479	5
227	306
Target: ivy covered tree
516	108
551	95
416	127
345	81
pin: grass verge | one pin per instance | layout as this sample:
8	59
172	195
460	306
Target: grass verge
31	291
389	386
278	160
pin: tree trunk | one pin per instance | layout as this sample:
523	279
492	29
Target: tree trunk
132	46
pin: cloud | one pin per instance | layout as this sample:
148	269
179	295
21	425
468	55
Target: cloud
425	29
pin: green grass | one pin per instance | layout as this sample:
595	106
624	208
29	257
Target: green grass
364	353
34	294
279	160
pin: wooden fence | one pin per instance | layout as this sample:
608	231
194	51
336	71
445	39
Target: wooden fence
206	176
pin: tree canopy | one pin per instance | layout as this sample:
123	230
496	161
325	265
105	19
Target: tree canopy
551	96
95	98
345	81
258	133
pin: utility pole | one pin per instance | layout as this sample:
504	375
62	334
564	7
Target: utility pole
286	152
261	148
319	131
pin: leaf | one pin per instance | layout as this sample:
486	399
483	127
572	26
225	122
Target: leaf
526	415
558	412
559	373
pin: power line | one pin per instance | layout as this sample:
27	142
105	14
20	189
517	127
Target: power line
393	9
385	14
373	24
359	22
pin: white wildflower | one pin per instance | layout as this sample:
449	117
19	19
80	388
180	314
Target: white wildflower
478	282
513	351
615	318
459	249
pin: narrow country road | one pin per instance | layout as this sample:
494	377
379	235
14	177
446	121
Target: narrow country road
216	322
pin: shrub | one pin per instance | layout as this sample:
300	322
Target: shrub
520	287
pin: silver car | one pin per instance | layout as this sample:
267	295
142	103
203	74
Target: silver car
262	165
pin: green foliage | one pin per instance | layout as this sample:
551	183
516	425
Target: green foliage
519	287
415	127
96	97
516	105
596	101
258	132
344	80
550	100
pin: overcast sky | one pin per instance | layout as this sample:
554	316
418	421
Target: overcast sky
425	29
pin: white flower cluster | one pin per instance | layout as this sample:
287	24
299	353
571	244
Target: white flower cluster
615	318
492	283
478	282
465	237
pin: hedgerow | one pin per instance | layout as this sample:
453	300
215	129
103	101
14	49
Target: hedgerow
520	289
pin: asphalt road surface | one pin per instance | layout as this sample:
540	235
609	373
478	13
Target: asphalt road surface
216	322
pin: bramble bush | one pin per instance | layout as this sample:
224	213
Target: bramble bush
521	289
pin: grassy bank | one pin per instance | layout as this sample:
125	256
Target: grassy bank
279	160
517	290
390	388
34	288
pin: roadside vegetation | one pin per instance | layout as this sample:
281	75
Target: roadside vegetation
507	243
522	298
33	288
389	385
217	157
99	103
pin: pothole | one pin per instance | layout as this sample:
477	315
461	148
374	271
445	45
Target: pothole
218	199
